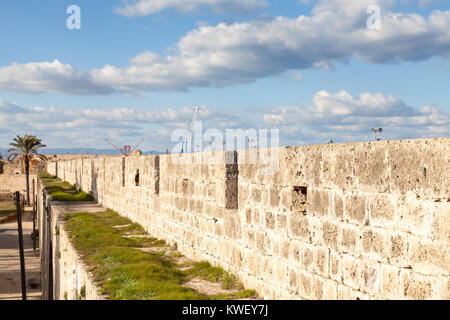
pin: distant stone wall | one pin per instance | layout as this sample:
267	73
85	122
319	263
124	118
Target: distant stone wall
15	182
339	221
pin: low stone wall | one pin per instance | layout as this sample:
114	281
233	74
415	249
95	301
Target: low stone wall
347	221
72	280
64	276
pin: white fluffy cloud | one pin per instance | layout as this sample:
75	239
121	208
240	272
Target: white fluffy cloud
343	117
59	125
228	54
147	7
55	77
338	116
243	52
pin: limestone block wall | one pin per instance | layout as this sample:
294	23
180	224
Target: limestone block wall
341	221
71	279
15	182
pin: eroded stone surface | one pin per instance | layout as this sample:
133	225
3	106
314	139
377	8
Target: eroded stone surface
370	220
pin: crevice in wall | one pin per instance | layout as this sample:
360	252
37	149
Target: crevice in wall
123	172
136	178
299	199
231	183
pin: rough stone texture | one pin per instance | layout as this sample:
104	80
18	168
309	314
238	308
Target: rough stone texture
347	221
71	276
15	182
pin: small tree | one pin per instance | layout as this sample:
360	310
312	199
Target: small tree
377	133
25	149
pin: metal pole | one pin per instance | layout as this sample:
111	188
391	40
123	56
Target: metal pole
50	256
34	221
22	256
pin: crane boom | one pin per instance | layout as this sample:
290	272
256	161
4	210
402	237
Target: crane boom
191	129
120	150
142	140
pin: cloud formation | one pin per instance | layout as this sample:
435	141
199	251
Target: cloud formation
343	117
228	54
88	127
339	116
55	77
148	7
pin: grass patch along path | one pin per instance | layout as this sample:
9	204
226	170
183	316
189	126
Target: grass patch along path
7	207
63	191
128	264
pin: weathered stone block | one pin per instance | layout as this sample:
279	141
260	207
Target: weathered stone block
318	202
281	223
274	198
321	261
390	286
330	234
428	257
416	165
398	250
355	208
295	252
351	271
318	288
370	277
417	287
344	292
256	194
338	206
414	216
374	244
270	221
381	210
330	291
440	229
284	249
335	266
350	240
293	281
232	226
370	165
306	284
299	225
308	257
248	216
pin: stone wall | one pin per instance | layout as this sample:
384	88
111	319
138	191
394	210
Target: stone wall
339	221
64	275
71	278
15	182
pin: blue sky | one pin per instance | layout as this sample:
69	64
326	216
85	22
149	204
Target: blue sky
308	68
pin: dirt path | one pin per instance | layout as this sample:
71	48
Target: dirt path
10	282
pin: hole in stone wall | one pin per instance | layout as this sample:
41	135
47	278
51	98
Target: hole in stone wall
1	168
299	198
185	186
136	178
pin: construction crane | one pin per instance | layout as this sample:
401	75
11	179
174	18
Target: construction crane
191	131
126	151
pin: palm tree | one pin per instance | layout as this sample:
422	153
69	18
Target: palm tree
26	151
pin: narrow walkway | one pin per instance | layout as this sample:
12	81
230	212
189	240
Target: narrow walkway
60	207
197	283
10	281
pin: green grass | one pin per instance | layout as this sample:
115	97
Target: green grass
63	191
7	207
124	272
